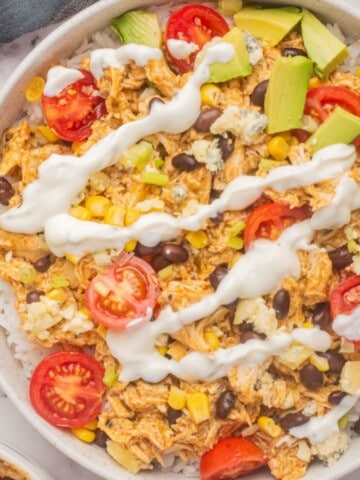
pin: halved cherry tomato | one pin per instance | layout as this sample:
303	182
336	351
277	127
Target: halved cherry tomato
322	100
72	112
123	293
66	389
345	296
197	24
270	219
231	457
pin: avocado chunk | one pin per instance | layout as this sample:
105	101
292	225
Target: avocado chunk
286	93
340	126
138	26
268	24
239	65
324	49
229	7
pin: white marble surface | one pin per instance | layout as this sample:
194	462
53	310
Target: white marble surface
15	430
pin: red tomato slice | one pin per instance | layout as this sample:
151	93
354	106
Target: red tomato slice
197	24
270	219
66	389
231	457
345	296
123	293
72	112
322	100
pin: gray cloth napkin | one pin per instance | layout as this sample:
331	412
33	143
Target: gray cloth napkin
21	16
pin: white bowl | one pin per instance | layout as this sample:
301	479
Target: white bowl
61	43
19	460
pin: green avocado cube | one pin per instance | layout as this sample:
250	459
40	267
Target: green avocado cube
138	26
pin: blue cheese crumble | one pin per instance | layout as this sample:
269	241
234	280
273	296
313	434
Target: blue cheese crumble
253	47
209	153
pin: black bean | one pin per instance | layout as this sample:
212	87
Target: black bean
335	397
43	264
293	52
281	303
321	315
101	438
225	403
214	194
292	420
246	327
356	427
340	257
258	95
226	145
300	134
251	335
185	162
217	275
173	415
34	296
143	251
206	119
158	262
336	361
310	377
6	191
174	253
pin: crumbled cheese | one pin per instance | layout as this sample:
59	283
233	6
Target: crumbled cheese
355	265
253	47
309	409
346	346
258	313
102	258
351	233
309	124
179	193
162	340
150	204
304	451
209	153
248	125
191	207
8	256
78	323
332	448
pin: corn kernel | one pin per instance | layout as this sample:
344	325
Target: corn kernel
72	258
212	339
84	435
101	330
267	425
34	90
91	425
162	349
320	363
110	377
130	246
308	325
81	213
115	216
166	272
77	146
98	205
85	311
197	239
352	246
46	132
198	406
357	72
177	398
210	94
101	289
278	148
57	294
315	82
131	215
59	281
27	275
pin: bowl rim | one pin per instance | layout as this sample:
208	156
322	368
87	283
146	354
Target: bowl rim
50	41
20	460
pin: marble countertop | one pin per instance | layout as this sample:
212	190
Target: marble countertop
15	430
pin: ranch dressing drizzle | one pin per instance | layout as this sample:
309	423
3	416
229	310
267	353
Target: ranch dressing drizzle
61	177
117	58
348	326
65	234
59	78
318	429
180	49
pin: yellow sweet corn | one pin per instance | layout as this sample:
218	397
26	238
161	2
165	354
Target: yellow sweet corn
267	425
278	148
76	147
59	281
57	294
34	90
46	132
308	325
320	363
101	330
27	275
91	426
131	215
162	349
81	213
177	398
98	205
166	272
352	246
72	258
197	239
85	311
198	406
315	82
84	435
115	216
357	72
130	246
210	94
212	339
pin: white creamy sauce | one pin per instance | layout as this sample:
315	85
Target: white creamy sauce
180	49
348	326
58	78
318	429
118	57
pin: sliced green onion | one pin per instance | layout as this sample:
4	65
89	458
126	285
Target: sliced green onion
352	246
343	422
236	229
268	164
27	275
155	178
59	281
137	156
159	162
110	377
235	242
